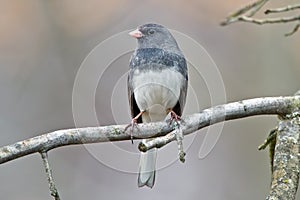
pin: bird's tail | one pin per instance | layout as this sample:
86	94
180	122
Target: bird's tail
147	168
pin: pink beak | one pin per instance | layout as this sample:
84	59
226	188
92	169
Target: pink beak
136	33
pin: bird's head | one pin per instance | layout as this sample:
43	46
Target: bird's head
155	36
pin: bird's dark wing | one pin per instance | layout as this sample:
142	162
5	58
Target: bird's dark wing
180	65
178	109
132	103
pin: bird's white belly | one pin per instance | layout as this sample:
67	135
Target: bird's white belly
156	91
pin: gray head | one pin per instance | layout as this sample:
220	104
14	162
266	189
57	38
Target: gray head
155	36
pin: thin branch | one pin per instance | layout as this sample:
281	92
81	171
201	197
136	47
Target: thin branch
257	7
273	21
269	21
179	139
296	28
270	138
271	142
48	170
283	9
246	14
251	9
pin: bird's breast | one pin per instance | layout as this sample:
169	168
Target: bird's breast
156	91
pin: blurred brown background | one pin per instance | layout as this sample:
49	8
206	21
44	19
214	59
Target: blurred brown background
43	43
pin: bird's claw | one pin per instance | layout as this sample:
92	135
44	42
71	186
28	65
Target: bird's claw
174	117
132	125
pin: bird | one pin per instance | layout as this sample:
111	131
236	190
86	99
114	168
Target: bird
157	85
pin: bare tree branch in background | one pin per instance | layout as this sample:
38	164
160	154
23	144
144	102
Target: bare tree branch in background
287	107
246	13
284	9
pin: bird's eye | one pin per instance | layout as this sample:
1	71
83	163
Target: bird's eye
151	32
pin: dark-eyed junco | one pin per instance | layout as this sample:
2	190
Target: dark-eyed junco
157	85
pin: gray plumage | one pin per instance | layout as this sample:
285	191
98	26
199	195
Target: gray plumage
157	84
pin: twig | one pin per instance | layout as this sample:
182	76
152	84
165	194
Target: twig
179	139
157	142
269	21
271	142
297	26
257	7
48	170
283	9
246	14
251	9
270	138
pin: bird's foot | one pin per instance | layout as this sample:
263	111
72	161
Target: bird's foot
133	125
174	117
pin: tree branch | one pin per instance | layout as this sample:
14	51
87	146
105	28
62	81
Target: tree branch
269	21
48	170
48	141
246	13
191	123
164	133
283	9
285	175
251	9
295	29
230	111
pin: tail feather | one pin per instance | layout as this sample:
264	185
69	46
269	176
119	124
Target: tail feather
147	168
